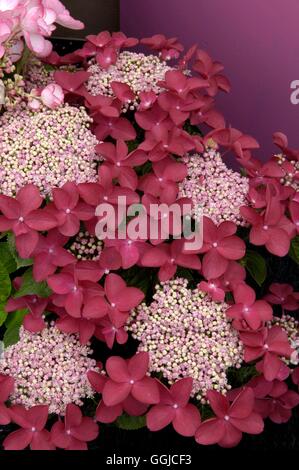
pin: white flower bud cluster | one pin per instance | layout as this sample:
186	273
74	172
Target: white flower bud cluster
141	72
213	187
187	335
46	148
49	368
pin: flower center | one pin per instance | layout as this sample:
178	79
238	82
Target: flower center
21	219
226	417
68	211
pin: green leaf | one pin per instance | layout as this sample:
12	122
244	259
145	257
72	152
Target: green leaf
11	336
7	258
13	323
294	249
131	423
20	262
256	266
15	318
3	314
192	130
31	287
5	284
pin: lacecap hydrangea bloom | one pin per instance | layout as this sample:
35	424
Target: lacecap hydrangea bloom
187	335
141	72
46	148
216	189
49	368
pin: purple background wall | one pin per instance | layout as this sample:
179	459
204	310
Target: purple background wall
256	40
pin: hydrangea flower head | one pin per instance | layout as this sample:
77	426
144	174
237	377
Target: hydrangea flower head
49	368
187	335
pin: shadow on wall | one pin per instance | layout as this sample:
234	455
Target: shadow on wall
97	15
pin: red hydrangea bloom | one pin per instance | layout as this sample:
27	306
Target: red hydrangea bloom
35	305
100	104
49	254
69	288
268	344
123	92
107	332
284	295
281	141
129	250
105	47
168	257
208	114
147	99
55	59
121	298
6	389
210	71
23	216
174	407
118	128
254	312
179	109
32	432
213	288
231	419
72	83
273	399
110	260
75	431
163	181
130	406
161	141
120	163
234	140
188	55
120	40
271	229
94	309
130	377
234	274
108	414
179	83
153	118
169	48
68	210
220	246
105	192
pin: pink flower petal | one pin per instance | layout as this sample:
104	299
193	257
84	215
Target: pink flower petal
187	420
159	417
